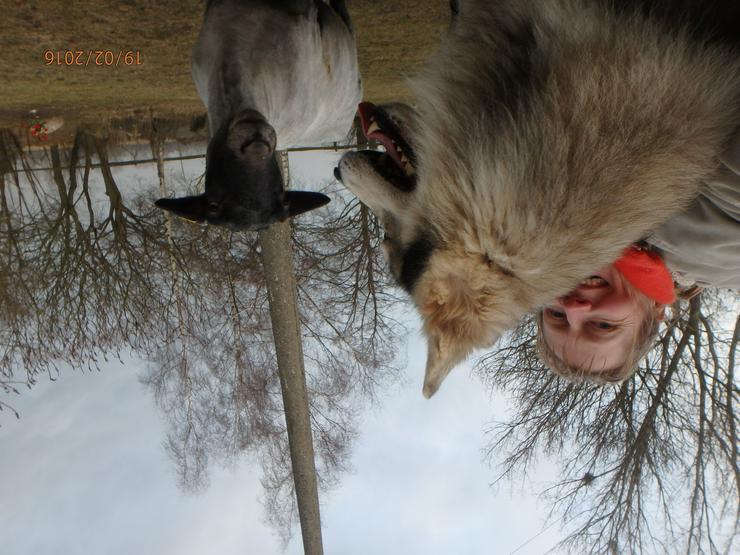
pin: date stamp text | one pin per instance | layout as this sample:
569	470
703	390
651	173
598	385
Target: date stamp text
93	57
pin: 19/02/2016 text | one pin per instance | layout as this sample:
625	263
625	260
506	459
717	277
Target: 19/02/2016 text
92	57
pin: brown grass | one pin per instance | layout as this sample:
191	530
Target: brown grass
393	39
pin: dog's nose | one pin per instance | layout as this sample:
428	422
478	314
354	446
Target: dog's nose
337	173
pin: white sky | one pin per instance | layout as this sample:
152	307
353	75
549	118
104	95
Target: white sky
84	471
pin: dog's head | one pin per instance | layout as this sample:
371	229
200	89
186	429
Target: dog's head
386	183
244	185
465	299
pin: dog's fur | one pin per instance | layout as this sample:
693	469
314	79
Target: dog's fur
548	137
273	74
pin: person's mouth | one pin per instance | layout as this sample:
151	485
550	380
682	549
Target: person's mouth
593	282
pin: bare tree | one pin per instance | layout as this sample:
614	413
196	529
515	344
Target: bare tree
81	280
223	398
346	293
91	272
650	466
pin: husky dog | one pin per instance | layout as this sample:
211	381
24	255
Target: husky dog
548	137
273	74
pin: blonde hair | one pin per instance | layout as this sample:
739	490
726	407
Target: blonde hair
644	339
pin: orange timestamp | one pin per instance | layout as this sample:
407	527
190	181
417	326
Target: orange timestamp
92	57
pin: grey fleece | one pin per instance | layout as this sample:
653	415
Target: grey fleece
702	245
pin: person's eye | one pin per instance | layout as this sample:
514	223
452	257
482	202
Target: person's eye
555	314
604	326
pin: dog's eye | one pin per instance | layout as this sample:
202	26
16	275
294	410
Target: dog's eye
212	207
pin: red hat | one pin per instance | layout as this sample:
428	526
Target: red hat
647	273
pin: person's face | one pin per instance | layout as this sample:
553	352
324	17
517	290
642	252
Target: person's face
594	326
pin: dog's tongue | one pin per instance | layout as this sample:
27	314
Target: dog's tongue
366	111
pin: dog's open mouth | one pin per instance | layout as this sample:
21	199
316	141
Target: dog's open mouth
398	163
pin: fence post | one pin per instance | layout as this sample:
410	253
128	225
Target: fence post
277	260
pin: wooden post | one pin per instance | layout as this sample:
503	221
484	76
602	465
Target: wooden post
277	261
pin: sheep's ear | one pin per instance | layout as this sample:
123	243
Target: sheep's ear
298	202
192	209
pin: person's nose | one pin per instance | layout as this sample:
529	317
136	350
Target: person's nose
576	309
575	303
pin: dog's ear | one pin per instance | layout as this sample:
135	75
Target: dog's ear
298	202
460	315
443	354
190	208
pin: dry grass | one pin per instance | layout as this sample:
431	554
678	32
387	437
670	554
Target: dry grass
393	39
